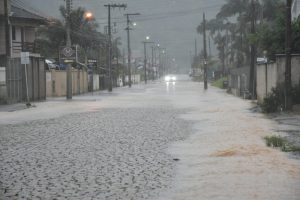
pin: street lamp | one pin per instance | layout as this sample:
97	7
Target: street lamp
128	44
162	60
145	56
88	15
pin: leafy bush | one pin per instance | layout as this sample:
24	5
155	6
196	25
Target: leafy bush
282	143
274	100
220	83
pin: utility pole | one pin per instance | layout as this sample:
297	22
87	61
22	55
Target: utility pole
124	64
155	64
145	59
196	49
145	62
109	6
117	68
7	32
226	51
159	62
205	52
128	45
152	60
209	47
69	44
252	87
288	82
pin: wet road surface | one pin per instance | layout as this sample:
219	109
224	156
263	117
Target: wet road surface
162	141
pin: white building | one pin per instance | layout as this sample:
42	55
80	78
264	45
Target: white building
295	9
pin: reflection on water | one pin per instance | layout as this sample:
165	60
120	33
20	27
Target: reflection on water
170	87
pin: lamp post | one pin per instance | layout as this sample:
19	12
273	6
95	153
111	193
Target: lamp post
161	62
128	45
155	60
109	6
145	57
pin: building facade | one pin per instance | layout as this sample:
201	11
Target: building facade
18	34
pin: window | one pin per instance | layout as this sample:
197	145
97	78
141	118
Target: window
13	32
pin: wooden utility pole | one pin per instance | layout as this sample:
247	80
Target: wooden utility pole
128	45
145	62
7	32
152	62
252	79
288	82
124	64
205	52
196	49
109	6
145	59
69	44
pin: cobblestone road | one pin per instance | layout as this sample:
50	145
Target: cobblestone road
123	145
108	154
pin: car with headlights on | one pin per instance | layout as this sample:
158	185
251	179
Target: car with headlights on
170	78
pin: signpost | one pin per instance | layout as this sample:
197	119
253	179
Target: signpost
67	54
25	61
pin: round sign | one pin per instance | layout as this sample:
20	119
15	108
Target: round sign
68	51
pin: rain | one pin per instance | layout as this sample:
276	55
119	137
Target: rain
150	99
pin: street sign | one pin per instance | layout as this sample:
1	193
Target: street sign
25	58
67	54
91	61
25	61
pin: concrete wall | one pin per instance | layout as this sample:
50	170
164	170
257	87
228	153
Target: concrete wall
56	83
135	79
238	80
275	75
96	85
266	79
3	94
280	60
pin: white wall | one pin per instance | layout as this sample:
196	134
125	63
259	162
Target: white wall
2	75
275	75
2	85
96	82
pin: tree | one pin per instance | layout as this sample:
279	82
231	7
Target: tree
233	23
50	38
83	33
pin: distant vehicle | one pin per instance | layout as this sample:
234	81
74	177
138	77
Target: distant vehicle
170	78
50	64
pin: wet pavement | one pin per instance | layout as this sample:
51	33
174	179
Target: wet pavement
160	141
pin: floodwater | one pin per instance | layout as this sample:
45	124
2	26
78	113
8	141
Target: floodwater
223	157
226	157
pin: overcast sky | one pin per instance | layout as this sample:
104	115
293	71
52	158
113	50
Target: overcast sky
172	23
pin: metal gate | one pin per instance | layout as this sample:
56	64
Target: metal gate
15	80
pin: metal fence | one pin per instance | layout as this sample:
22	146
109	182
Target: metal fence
15	80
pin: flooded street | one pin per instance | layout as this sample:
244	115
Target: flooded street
161	141
226	157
